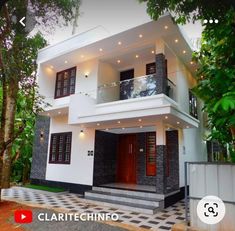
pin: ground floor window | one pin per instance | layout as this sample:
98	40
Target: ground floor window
151	154
60	148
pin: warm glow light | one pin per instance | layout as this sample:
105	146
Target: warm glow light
152	52
139	120
118	61
65	61
137	56
184	51
52	67
166	27
176	40
123	128
48	114
101	49
119	122
140	36
98	124
178	122
59	112
187	127
141	126
166	117
106	129
119	43
191	62
82	56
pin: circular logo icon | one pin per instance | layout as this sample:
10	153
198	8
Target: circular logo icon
211	210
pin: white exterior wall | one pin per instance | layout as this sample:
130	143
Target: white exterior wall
191	144
80	169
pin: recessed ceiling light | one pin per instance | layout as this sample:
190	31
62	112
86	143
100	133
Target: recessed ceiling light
123	128
139	120
152	52
119	43
166	117
191	62
52	67
141	126
119	122
166	27
118	61
82	56
106	129
140	36
137	56
100	49
178	122
184	51
187	126
98	124
48	114
59	112
176	40
65	61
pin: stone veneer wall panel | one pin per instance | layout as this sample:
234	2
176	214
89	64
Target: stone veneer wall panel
40	148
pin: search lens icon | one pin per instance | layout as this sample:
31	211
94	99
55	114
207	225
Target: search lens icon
211	210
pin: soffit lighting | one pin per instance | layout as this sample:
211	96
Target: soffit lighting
191	62
166	117
65	61
119	122
118	61
123	128
166	27
176	40
152	52
59	112
139	120
100	49
184	51
141	126
137	56
52	67
82	56
140	36
119	43
98	124
178	122
187	126
106	129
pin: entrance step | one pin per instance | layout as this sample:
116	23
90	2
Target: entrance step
129	200
129	192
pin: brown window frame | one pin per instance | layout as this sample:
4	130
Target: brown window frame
66	148
151	168
69	83
193	105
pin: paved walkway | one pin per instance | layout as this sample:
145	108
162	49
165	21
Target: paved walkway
161	221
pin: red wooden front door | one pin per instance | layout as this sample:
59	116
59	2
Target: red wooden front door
126	169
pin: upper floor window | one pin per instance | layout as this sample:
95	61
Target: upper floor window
65	83
60	148
192	105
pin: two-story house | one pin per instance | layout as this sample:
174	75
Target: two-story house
122	119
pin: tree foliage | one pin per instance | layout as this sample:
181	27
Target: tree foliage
184	11
18	53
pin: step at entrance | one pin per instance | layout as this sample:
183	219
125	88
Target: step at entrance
142	202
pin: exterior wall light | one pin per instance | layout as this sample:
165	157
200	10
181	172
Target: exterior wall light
41	136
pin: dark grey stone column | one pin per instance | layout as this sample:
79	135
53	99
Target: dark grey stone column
161	181
40	148
173	158
161	73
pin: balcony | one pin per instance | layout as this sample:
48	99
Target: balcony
133	88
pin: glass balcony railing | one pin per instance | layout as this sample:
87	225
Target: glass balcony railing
132	88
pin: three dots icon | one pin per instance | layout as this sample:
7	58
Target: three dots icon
210	21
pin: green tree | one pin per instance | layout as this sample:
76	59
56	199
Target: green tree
18	53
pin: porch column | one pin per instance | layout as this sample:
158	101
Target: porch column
161	158
161	67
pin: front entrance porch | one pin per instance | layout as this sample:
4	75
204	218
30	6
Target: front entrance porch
134	162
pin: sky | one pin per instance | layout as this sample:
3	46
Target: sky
114	16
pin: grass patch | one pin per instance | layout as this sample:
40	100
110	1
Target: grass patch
44	188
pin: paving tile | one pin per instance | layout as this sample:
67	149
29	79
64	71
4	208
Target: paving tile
153	222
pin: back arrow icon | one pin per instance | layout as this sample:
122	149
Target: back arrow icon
21	21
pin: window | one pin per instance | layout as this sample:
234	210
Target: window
151	154
60	149
65	83
192	105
